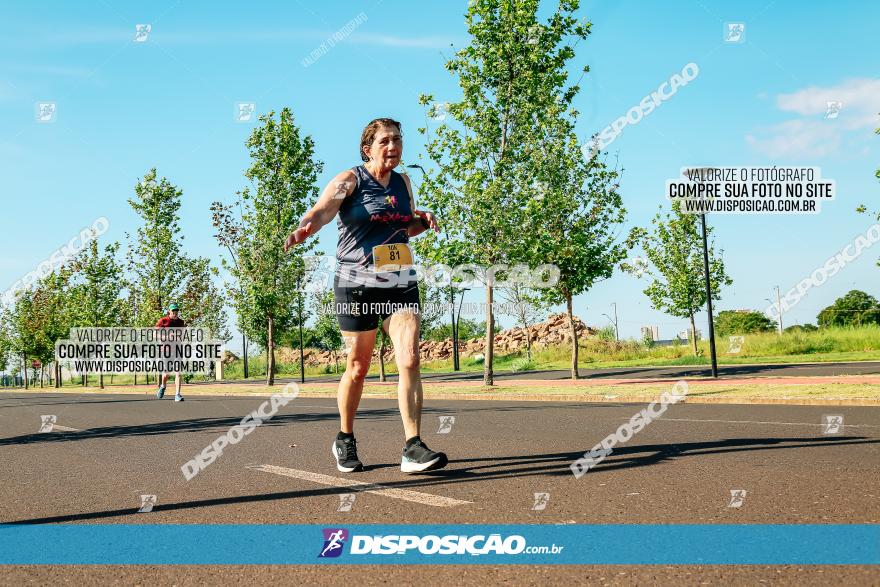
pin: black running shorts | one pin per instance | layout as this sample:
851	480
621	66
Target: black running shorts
361	307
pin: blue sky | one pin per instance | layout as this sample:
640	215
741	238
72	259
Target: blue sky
168	102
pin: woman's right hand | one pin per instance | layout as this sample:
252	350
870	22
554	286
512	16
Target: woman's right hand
298	236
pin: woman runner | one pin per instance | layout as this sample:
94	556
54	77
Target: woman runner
376	218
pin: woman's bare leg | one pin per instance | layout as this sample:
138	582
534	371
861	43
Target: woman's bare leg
360	352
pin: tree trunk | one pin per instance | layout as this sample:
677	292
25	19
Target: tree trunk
381	355
244	354
270	353
57	374
135	378
488	374
24	370
42	375
528	343
693	335
574	338
101	379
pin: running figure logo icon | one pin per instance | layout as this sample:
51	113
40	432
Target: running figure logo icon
46	111
346	501
735	32
832	109
142	32
334	540
832	424
735	344
48	422
147	503
737	496
446	423
541	501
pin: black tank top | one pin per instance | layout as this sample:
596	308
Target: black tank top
372	215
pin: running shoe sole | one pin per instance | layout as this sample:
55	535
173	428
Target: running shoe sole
432	465
340	467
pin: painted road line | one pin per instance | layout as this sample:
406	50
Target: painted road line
61	428
815	425
405	494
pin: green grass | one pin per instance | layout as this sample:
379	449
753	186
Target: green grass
825	345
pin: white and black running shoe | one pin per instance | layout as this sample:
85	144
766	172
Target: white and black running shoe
418	458
345	452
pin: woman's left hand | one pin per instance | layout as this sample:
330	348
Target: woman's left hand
432	220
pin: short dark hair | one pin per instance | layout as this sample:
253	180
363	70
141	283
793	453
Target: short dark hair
370	130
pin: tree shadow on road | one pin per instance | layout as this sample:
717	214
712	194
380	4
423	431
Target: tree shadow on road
505	467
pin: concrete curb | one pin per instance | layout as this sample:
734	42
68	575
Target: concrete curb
694	398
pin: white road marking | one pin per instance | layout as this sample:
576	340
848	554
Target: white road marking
64	428
405	494
817	424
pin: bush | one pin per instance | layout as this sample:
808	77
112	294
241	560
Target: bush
801	328
467	329
523	364
742	322
607	333
854	309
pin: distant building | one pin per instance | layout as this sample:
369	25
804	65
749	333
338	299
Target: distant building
651	332
686	334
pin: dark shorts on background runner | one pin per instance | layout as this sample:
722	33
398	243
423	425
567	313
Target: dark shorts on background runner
360	308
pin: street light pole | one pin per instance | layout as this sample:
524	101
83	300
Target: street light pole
616	330
455	365
708	297
708	283
779	308
455	360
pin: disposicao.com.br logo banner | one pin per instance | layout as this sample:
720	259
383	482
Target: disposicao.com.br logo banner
442	544
476	544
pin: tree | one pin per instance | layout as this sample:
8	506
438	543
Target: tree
584	212
54	291
856	308
202	299
528	309
674	251
431	297
283	174
24	327
742	322
160	271
513	81
95	288
467	329
154	256
5	342
862	209
326	332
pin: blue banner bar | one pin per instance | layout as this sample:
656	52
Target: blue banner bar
208	544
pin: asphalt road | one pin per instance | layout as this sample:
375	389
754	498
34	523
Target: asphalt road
679	469
727	371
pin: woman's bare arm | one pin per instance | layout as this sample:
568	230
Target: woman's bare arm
415	226
325	209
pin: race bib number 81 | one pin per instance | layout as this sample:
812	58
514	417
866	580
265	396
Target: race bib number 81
396	255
